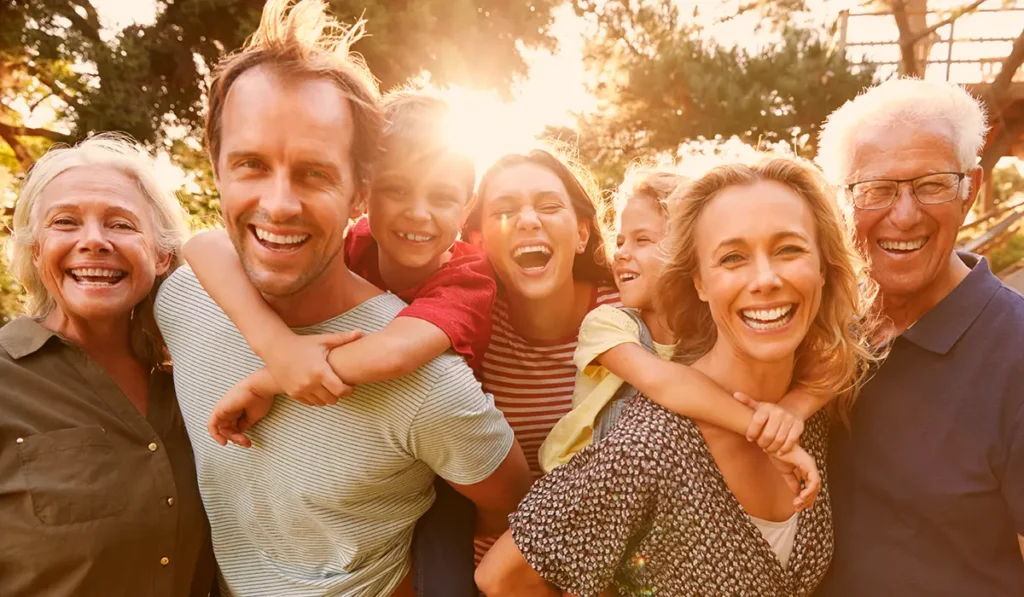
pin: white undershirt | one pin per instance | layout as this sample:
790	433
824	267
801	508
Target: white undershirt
779	535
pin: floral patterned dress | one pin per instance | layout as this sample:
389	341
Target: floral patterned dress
647	511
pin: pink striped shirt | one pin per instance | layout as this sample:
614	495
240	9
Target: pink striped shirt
532	384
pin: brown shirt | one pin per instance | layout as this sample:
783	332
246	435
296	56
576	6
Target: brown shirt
95	498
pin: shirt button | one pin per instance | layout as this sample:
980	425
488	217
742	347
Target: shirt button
164	561
170	501
153	447
20	440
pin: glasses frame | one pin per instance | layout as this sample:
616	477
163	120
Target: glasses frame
960	176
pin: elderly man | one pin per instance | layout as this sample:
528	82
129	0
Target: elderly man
928	482
325	501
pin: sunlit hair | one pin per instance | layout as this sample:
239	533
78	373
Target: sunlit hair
101	151
654	183
415	129
835	355
901	102
299	40
591	265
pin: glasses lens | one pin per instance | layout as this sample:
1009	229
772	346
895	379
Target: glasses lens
936	188
873	194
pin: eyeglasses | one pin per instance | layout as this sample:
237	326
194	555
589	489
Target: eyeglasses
930	189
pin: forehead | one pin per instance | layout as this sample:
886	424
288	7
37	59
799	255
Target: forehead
524	180
641	212
93	187
434	168
753	213
304	117
902	151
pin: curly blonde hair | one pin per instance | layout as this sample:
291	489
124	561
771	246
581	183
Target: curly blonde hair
835	356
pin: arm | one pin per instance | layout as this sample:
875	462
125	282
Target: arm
504	572
803	403
1020	540
406	344
498	495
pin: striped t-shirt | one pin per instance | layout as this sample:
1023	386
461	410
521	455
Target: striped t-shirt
532	384
325	501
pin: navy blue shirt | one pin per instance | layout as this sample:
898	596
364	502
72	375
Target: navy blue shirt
928	488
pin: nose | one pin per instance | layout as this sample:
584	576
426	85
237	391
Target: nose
279	201
766	279
621	253
905	211
418	210
527	219
94	239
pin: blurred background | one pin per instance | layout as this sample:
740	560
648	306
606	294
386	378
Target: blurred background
615	80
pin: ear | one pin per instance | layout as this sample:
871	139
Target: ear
583	230
698	285
163	263
977	179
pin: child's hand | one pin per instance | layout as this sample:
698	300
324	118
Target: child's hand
236	412
299	366
801	474
773	427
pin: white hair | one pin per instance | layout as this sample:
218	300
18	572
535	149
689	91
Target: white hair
900	102
111	150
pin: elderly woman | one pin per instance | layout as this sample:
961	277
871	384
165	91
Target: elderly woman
98	493
671	506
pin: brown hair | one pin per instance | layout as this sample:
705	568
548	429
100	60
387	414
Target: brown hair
592	264
834	357
414	130
299	39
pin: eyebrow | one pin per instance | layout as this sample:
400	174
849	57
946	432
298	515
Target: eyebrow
113	209
775	238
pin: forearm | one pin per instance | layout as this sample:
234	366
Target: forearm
803	403
406	344
262	384
1020	540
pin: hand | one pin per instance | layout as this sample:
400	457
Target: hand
235	413
801	474
774	428
299	365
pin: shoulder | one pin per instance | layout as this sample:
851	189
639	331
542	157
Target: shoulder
607	295
608	315
181	286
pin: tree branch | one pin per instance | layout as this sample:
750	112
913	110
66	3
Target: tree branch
956	15
24	131
22	154
89	27
52	84
1011	63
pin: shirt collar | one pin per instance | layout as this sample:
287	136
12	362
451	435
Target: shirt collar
940	328
24	336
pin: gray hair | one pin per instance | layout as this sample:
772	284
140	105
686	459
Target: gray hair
898	102
104	150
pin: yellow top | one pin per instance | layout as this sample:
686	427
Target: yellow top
603	329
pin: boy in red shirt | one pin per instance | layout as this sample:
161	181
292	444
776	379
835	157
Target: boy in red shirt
407	245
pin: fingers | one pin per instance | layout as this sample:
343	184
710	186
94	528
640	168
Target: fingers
812	485
771	429
757	425
335	340
214	431
747	400
793	438
785	424
334	386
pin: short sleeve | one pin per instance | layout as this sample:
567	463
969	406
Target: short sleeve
458	432
1013	474
458	299
577	523
603	329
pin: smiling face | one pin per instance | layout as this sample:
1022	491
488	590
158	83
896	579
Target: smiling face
760	274
95	251
530	231
909	244
416	209
638	260
285	175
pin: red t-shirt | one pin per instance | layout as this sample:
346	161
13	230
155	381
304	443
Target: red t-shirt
457	298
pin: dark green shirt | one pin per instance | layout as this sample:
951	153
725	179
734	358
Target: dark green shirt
95	498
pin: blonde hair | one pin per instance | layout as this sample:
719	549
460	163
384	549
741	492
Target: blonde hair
835	356
110	150
299	39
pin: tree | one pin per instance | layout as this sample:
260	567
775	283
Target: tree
662	81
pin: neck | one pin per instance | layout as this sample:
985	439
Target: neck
658	327
763	381
333	292
554	317
398	277
902	311
100	338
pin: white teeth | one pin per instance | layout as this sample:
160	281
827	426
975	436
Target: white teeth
279	239
531	249
913	245
770	315
416	238
93	272
627	276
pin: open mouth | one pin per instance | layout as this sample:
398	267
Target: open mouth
279	242
625	277
414	237
532	257
766	320
99	277
902	247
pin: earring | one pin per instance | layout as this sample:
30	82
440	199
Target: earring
582	247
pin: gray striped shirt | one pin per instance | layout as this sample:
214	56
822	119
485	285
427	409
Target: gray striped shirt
325	501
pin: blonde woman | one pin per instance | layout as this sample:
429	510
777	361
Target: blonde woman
98	492
760	288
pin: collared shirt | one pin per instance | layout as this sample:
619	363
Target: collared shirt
928	488
95	498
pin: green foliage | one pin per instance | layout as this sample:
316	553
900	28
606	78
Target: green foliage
1006	182
1008	253
662	81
